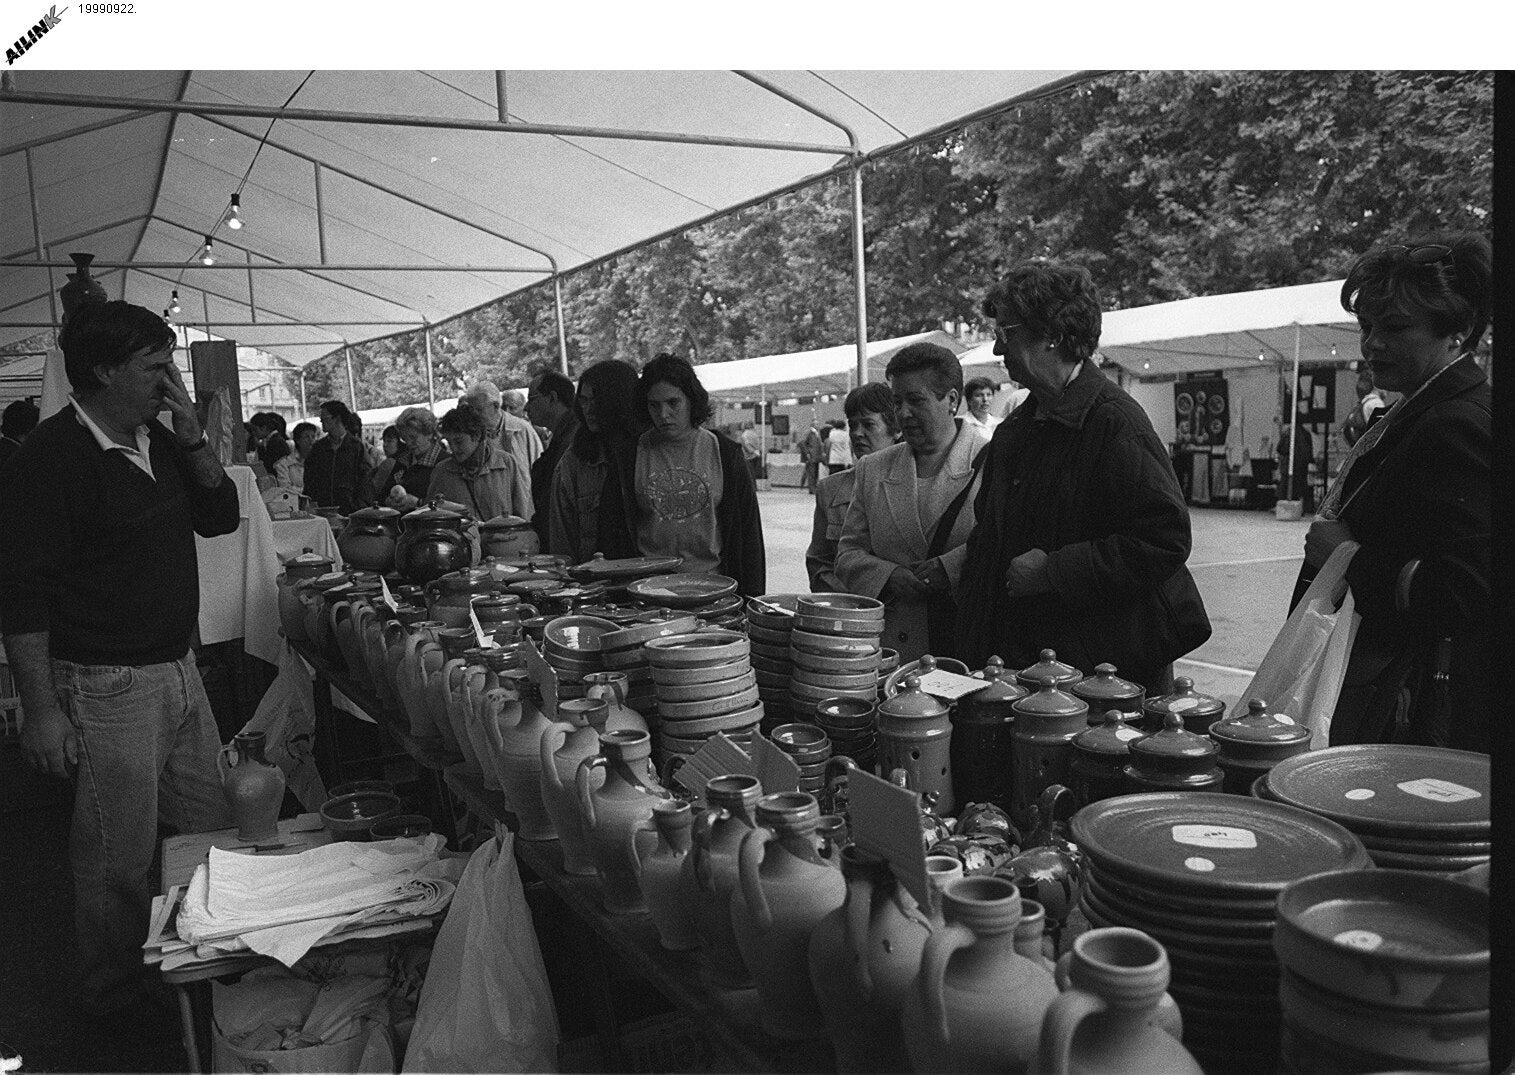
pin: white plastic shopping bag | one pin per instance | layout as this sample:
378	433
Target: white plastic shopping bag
287	714
1302	674
486	1004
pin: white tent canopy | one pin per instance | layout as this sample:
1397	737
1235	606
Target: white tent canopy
826	371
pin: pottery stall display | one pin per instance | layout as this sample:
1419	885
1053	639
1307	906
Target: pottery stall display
1253	742
915	735
705	685
1198	710
981	742
1413	807
612	813
852	726
623	651
710	872
253	786
833	650
1383	970
660	874
1105	690
1173	759
770	620
1201	873
1041	742
711	597
297	569
433	541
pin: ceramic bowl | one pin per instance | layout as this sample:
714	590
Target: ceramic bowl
1409	1034
577	634
351	816
685	677
852	606
846	713
711	707
623	659
833	645
774	611
769	650
845	682
834	665
681	590
702	692
636	634
698	649
839	625
385	786
811	697
396	825
1396	938
696	731
768	636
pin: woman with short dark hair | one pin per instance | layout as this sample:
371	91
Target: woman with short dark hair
336	471
479	474
587	512
873	426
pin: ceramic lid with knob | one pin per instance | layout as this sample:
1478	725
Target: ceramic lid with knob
1174	749
912	703
375	514
1048	670
1113	736
1198	710
994	702
1260	735
1049	701
504	522
1105	690
433	513
307	565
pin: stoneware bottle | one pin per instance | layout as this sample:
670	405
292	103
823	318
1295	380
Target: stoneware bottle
710	874
565	744
659	876
612	687
452	685
1115	1015
521	727
786	889
613	812
421	660
977	1004
478	681
253	786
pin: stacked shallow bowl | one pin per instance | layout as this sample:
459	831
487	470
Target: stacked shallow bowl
705	685
571	645
852	726
1413	807
713	598
1201	873
1383	970
770	619
833	650
622	651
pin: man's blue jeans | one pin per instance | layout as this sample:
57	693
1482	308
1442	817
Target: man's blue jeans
147	748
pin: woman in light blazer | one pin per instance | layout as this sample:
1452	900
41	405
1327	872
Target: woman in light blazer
912	507
872	425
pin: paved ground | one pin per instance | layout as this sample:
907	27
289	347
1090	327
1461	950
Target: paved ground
1244	563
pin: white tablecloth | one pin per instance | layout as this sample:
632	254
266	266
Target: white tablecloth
294	536
239	597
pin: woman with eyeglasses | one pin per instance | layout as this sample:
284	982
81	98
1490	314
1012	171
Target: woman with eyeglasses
1415	494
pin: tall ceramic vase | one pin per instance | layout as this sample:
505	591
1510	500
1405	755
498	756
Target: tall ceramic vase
612	688
709	875
614	812
253	786
520	726
659	875
565	744
786	889
1115	1015
978	1004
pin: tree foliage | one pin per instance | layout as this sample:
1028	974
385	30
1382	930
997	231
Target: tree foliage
1166	185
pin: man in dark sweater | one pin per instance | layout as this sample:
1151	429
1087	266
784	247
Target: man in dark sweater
550	406
99	596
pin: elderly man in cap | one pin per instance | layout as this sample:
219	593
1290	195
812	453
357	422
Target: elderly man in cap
514	434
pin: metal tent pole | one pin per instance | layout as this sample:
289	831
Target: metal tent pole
304	410
431	388
352	387
1293	417
860	282
557	301
52	294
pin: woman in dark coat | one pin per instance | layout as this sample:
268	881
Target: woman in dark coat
1415	494
336	473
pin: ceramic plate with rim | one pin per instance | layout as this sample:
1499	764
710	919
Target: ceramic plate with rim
773	610
682	591
697	648
704	692
851	606
630	567
577	635
1131	893
638	634
707	673
1142	914
833	645
1212	843
671	711
1393	790
1198	934
839	625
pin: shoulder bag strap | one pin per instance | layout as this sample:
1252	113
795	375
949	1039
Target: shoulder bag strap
944	526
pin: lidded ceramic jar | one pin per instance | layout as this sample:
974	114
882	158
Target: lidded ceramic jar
368	539
981	747
1173	760
509	537
449	596
1100	754
1198	710
1253	743
1105	690
1048	670
308	565
433	541
1046	722
915	734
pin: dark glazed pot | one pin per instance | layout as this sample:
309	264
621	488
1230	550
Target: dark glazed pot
432	543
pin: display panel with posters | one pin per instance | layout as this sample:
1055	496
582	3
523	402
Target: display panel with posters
1202	412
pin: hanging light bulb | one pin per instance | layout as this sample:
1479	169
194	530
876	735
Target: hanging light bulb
1333	350
173	303
168	315
1146	365
207	256
1260	356
234	215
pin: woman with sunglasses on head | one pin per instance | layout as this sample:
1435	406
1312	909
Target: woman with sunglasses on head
1414	493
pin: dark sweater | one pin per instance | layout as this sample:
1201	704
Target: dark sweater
337	475
99	555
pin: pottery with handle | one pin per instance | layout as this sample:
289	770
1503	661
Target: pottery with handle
565	744
253	786
613	812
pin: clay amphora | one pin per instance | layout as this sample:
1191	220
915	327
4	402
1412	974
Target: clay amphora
614	812
478	681
785	889
253	786
1116	1015
450	686
659	871
414	677
710	874
612	687
520	727
565	744
977	1004
863	957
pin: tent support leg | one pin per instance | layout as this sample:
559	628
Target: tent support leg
352	386
557	304
1293	419
859	280
431	387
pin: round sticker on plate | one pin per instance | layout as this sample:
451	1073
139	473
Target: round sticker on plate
1365	939
1199	864
1360	793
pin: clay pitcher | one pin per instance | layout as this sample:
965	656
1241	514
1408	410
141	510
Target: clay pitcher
710	874
612	687
414	677
658	872
520	727
574	736
253	786
451	686
1113	1017
614	812
479	680
977	1004
785	889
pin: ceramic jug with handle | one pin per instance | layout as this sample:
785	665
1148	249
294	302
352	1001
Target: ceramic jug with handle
710	873
520	728
658	871
612	687
566	743
253	786
614	812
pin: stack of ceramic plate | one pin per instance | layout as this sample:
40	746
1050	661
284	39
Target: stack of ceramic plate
615	574
809	748
1413	807
571	645
705	684
852	726
713	598
770	618
621	651
1383	970
834	650
888	664
1201	873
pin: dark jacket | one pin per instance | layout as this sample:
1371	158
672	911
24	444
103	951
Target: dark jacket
1423	492
541	477
337	476
1088	482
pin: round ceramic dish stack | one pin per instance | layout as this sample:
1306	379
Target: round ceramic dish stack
622	651
770	619
704	684
713	598
1383	970
808	747
1413	807
834	650
1201	873
615	574
852	726
571	644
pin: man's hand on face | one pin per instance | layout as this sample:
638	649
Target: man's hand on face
176	396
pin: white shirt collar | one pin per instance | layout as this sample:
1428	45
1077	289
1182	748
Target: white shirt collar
138	455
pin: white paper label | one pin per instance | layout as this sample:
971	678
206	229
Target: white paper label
478	628
1438	791
1358	794
1199	865
1283	719
1365	939
1215	836
389	598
